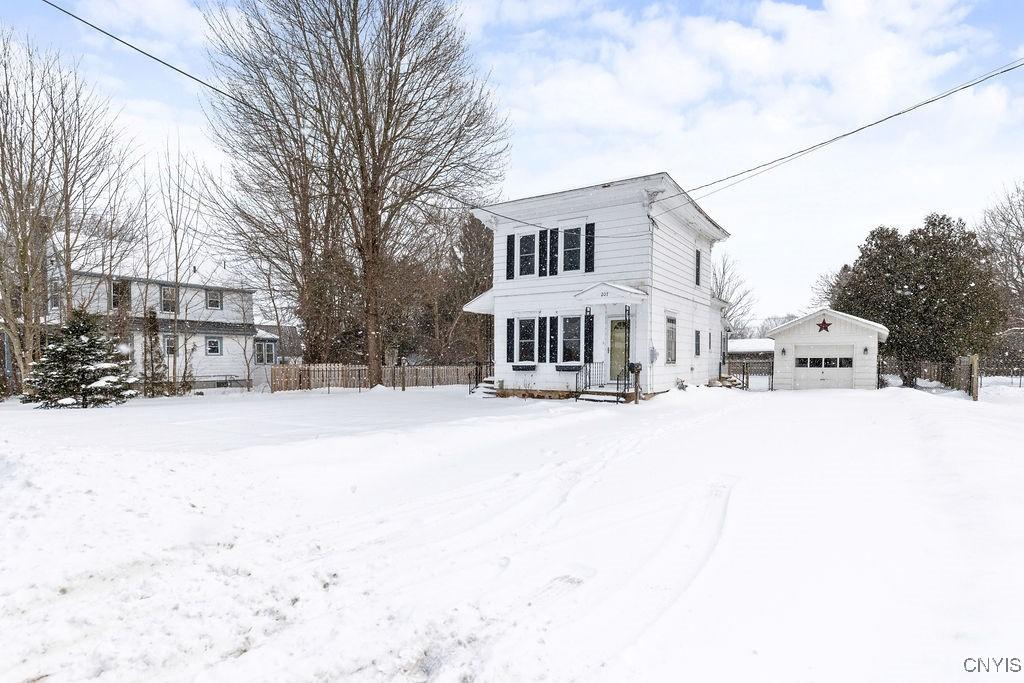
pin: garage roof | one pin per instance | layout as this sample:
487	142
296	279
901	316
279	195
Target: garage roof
882	330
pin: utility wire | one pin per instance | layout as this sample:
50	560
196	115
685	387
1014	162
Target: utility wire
737	177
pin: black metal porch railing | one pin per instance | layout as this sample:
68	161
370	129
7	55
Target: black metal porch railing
588	375
624	381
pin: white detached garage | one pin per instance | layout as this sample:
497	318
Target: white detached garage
827	350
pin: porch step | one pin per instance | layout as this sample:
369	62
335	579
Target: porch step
605	396
486	388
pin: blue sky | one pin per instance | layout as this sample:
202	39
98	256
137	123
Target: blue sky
598	89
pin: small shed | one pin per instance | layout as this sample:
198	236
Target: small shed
827	349
751	349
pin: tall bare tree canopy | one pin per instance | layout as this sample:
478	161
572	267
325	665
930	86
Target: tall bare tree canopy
1002	231
68	198
727	284
359	121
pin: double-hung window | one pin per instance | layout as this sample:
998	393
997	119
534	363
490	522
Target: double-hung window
572	338
170	346
527	340
670	340
168	300
571	249
266	353
214	299
215	346
696	342
527	254
120	294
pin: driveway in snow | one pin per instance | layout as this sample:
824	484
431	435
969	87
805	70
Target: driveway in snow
708	535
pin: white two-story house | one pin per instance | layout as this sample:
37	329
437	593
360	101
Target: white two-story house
587	281
205	322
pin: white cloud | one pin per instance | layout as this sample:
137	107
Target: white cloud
174	22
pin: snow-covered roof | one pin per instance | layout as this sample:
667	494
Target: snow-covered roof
751	346
263	334
881	330
483	303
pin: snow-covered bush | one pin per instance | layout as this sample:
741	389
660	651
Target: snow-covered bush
80	368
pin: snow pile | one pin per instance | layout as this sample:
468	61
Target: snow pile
707	535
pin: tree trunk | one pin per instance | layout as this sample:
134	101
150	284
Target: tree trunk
374	371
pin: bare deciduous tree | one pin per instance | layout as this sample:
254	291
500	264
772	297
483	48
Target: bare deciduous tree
374	116
727	284
1002	231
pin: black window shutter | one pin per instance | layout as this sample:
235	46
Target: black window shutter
698	267
510	340
510	257
588	249
588	339
542	334
542	240
553	339
553	253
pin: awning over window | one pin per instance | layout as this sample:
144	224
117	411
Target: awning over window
610	293
482	304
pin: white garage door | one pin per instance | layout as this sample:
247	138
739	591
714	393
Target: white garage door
823	366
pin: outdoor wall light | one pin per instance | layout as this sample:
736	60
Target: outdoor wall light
865	350
783	351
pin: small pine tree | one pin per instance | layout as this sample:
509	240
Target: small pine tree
80	368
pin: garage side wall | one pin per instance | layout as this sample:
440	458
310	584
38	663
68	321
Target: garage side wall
865	365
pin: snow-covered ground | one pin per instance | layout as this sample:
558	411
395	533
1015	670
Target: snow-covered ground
708	535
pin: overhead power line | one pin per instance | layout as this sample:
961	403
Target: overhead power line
736	178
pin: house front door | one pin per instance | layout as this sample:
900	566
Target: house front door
617	347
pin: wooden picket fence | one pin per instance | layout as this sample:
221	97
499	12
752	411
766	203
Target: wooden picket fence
338	376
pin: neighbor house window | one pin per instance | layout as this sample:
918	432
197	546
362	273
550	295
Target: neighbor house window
168	301
697	267
120	294
571	249
214	299
266	353
527	339
215	346
170	346
527	254
670	340
696	342
571	336
56	294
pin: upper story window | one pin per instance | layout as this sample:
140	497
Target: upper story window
168	300
571	249
670	340
571	338
120	294
215	299
527	254
265	353
697	267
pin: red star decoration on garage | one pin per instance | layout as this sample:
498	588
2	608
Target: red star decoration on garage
823	325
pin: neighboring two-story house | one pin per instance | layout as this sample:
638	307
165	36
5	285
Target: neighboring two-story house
206	324
587	281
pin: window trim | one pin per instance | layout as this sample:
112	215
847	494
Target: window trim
696	343
164	300
562	337
220	344
220	299
519	254
260	348
561	250
673	357
519	339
